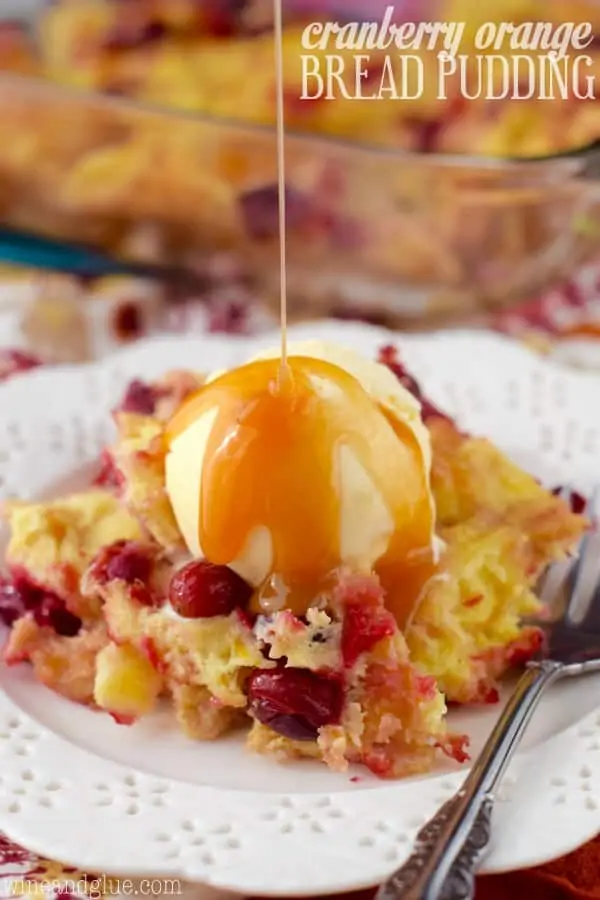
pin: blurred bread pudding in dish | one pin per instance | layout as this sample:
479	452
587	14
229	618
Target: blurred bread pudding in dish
216	58
317	553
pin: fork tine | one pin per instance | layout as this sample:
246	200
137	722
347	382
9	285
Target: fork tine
551	584
585	573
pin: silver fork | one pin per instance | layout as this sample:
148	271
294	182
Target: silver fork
450	847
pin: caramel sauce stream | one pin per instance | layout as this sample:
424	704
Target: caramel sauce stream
280	120
272	458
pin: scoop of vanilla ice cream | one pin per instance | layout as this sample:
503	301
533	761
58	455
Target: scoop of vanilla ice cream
376	379
366	525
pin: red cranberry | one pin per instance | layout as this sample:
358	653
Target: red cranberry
129	564
295	702
148	648
427	133
120	87
526	648
13	855
246	619
123	560
456	747
128	322
140	398
229	318
12	605
201	590
122	720
260	208
388	356
364	626
12	362
491	696
577	502
358	314
19	596
130	36
109	475
294	104
220	17
142	594
53	614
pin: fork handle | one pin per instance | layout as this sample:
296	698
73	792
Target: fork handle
450	846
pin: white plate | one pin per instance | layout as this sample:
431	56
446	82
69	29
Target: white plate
146	801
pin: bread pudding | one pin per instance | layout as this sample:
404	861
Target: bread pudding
324	560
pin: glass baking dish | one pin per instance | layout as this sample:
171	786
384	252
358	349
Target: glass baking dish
400	237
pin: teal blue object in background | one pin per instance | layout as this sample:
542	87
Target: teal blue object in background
19	248
31	251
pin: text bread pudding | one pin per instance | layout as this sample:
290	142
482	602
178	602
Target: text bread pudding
321	558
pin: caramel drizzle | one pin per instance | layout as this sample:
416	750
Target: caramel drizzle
280	121
272	461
